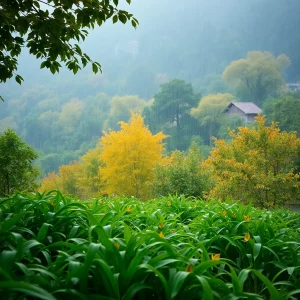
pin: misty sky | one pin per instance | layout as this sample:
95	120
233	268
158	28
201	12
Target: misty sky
187	40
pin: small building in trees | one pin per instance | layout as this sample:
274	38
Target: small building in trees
246	110
293	86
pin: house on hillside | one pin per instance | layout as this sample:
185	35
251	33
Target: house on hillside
293	86
246	110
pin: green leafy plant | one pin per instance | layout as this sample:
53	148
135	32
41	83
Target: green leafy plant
52	246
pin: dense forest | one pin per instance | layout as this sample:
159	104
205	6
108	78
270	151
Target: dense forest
187	52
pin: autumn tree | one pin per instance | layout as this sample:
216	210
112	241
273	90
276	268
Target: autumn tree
129	157
260	74
17	170
66	180
48	29
80	178
210	109
258	166
69	175
89	182
51	182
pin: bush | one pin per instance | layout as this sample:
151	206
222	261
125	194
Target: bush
17	172
258	165
182	174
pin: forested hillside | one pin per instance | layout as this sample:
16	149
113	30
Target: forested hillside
161	160
63	116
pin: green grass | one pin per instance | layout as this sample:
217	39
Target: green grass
52	247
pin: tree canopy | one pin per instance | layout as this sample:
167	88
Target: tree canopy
285	111
120	109
210	108
17	172
259	74
129	157
182	173
170	110
48	29
258	165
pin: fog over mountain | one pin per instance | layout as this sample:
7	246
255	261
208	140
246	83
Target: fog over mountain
188	40
192	40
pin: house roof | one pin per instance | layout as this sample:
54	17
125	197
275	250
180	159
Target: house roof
246	107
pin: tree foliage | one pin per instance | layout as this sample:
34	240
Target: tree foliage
17	172
285	111
209	110
89	182
170	111
80	178
259	166
260	74
182	174
129	157
120	109
48	29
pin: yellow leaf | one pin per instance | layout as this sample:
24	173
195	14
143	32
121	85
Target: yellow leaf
161	235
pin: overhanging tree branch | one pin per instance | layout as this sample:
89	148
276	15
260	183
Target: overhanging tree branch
49	35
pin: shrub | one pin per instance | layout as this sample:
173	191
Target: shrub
183	173
258	165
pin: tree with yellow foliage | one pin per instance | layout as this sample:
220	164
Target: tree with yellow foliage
78	178
129	157
69	175
50	182
89	182
66	180
259	166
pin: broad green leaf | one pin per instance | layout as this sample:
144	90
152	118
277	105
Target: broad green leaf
136	287
26	289
127	233
207	293
177	282
272	290
43	232
256	250
115	19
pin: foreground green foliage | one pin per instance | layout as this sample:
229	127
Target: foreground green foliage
53	247
17	171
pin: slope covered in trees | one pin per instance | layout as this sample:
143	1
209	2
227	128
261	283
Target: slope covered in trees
63	116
